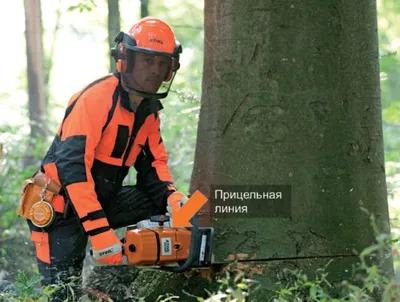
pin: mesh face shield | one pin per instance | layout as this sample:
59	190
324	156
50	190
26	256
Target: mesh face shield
152	76
140	81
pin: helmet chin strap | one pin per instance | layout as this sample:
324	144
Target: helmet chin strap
147	95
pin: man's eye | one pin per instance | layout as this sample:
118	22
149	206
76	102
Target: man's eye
148	61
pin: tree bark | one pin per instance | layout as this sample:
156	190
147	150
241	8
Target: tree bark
144	8
48	58
34	54
114	27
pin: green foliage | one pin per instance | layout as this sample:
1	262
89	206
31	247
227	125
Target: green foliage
232	289
24	289
300	287
13	172
389	33
84	6
15	145
368	280
179	126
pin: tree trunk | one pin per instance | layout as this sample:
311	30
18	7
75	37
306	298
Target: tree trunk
291	96
48	58
114	27
34	54
144	8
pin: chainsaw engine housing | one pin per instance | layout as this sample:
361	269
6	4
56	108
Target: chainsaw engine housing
164	245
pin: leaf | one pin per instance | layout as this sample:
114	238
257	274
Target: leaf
313	292
392	114
72	8
372	272
369	250
22	277
392	240
35	279
82	7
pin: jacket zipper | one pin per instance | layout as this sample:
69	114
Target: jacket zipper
131	140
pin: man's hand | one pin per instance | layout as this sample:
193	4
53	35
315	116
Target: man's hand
175	201
107	248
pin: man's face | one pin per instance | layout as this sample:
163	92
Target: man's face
149	71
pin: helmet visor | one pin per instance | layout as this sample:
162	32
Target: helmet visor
147	72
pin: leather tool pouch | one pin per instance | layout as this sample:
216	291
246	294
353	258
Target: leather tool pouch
39	188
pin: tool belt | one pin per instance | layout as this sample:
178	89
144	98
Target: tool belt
37	194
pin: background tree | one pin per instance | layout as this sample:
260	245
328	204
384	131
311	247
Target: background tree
49	55
144	8
36	92
114	27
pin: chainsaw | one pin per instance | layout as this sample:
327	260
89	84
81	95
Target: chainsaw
154	244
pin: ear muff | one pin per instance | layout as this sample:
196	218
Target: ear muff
126	59
120	59
175	65
116	50
121	55
119	66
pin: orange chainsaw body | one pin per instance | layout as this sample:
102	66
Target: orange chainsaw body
156	246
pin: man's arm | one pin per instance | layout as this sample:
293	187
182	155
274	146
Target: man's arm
79	136
153	174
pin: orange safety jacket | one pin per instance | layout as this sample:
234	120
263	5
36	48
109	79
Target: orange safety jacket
97	142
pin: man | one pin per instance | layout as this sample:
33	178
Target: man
109	126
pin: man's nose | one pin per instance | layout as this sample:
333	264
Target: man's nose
156	68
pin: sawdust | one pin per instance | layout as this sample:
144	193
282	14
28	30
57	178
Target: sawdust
250	268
